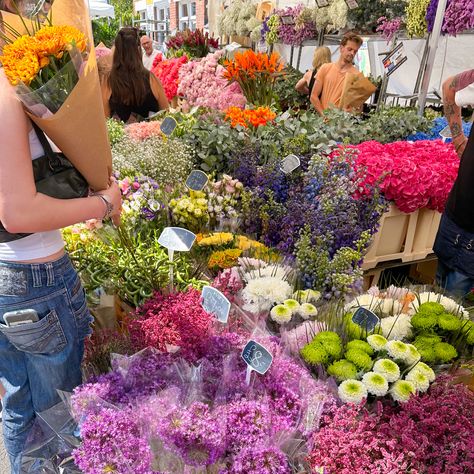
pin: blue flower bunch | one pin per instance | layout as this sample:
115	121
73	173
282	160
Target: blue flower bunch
438	124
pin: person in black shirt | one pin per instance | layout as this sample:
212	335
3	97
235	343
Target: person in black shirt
129	91
454	243
322	55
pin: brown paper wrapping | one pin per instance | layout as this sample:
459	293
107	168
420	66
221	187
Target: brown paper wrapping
78	128
356	90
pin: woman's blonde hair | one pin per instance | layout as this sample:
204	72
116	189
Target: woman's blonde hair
322	55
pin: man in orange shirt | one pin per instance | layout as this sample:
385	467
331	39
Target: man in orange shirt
327	90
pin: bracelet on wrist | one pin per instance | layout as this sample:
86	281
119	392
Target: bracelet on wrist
109	207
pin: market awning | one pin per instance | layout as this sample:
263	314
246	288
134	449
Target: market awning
101	9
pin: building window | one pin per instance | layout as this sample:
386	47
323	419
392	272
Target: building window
162	14
193	9
184	9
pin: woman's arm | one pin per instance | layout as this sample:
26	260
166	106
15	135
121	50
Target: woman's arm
452	112
302	84
159	92
22	209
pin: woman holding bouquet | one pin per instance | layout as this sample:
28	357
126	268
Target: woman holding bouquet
130	91
42	339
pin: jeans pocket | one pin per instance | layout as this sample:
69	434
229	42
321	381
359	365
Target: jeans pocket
83	320
45	336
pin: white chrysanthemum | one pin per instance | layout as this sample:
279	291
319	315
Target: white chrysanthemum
425	370
375	383
352	391
424	297
396	327
292	305
263	293
388	369
397	350
413	355
390	306
281	314
307	310
366	301
452	307
402	390
419	380
376	341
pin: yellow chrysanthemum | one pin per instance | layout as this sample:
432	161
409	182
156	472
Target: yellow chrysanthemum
244	243
224	258
218	238
22	68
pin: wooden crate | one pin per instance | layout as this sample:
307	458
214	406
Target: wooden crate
426	229
244	41
394	238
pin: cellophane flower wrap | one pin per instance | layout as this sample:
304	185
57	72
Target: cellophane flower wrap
413	175
168	73
44	66
255	73
202	83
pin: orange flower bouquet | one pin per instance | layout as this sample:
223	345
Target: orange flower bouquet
249	117
256	74
56	78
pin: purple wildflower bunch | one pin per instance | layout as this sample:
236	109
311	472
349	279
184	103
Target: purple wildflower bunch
260	459
459	16
388	28
302	27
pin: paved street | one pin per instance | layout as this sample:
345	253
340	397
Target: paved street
4	464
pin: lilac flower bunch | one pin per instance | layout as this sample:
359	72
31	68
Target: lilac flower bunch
260	459
459	16
303	27
388	28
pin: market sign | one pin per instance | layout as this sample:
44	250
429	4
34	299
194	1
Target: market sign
290	163
196	181
214	302
177	239
394	59
257	358
366	319
168	125
322	3
446	132
352	4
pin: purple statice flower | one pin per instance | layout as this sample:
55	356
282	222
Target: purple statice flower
459	16
112	442
388	28
301	30
260	459
193	433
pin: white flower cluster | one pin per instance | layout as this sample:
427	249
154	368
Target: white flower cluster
166	161
386	306
261	293
396	327
449	304
282	313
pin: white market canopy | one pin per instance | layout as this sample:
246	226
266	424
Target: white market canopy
101	9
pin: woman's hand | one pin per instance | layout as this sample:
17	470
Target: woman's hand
114	197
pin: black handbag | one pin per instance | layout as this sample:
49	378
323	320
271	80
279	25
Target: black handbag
54	176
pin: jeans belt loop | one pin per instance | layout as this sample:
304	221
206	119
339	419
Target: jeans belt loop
456	241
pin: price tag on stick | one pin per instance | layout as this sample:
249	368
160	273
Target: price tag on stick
257	358
196	181
290	163
168	125
214	302
366	319
176	239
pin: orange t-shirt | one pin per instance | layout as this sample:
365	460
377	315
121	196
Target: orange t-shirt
332	79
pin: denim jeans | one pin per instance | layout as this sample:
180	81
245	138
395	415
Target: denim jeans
455	250
37	359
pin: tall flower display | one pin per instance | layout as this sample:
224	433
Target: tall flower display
255	73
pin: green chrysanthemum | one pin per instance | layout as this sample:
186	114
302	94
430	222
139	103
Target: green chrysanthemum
424	321
281	314
354	331
376	383
361	359
376	341
468	332
352	391
327	336
449	322
314	354
427	339
402	390
431	307
397	350
360	345
292	305
333	348
427	353
342	370
445	352
388	369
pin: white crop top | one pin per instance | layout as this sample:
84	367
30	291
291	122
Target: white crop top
41	244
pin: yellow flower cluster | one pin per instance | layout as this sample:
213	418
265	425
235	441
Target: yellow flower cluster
27	55
217	238
224	258
244	243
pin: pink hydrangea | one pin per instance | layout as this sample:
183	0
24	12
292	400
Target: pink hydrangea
413	175
202	83
143	130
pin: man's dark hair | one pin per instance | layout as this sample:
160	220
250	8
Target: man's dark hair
351	37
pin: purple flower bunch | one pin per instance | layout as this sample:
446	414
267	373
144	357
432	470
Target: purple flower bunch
301	29
459	16
260	459
388	28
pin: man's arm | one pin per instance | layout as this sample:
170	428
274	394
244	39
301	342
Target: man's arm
315	93
452	113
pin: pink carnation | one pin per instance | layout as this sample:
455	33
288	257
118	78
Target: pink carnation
142	130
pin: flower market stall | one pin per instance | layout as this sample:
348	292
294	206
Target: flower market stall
244	338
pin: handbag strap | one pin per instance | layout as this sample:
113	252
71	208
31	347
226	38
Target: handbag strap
48	151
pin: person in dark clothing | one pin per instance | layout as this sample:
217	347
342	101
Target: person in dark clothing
454	244
322	55
129	91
